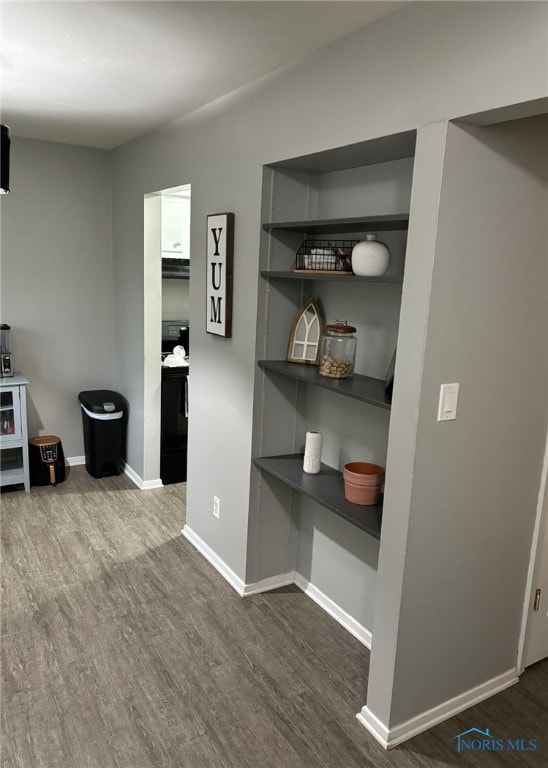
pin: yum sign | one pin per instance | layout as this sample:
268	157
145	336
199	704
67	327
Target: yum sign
220	258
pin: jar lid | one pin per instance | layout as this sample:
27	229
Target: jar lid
340	326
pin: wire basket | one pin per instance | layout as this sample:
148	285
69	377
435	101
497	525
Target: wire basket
325	256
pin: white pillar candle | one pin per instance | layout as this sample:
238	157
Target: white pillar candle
313	453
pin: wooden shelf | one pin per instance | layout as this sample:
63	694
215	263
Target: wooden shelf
387	223
336	277
326	489
363	388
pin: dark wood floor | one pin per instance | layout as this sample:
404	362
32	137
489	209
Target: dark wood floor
123	648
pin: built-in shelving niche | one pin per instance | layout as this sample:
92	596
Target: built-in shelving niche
337	194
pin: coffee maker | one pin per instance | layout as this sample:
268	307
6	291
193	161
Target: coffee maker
6	362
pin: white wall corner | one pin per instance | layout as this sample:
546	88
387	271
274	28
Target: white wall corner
142	485
243	589
266	585
391	737
275	582
333	609
219	564
374	726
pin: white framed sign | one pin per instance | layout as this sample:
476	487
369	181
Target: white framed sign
220	261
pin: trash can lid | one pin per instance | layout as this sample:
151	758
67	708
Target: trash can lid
102	401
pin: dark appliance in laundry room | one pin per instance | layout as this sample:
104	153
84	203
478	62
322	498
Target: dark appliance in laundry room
174	408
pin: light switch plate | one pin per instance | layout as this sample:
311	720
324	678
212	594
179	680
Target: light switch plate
447	408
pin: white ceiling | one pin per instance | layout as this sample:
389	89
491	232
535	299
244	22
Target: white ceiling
102	73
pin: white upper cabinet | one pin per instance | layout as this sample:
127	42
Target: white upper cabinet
176	227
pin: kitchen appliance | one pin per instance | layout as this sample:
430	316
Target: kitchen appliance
174	408
6	361
175	333
174	425
46	460
173	268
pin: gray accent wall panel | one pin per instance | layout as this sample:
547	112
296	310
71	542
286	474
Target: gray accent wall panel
476	479
57	285
338	559
425	200
382	188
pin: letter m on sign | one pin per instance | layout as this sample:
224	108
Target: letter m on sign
216	309
219	273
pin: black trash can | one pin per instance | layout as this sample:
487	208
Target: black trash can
104	416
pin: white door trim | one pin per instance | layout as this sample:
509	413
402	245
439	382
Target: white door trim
535	546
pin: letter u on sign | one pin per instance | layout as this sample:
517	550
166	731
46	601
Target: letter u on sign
220	260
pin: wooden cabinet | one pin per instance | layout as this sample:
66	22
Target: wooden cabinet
14	464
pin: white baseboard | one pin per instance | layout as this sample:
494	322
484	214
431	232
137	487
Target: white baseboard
75	461
275	582
345	619
266	585
225	571
243	589
391	737
142	485
375	727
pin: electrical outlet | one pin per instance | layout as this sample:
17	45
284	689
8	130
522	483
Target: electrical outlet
216	507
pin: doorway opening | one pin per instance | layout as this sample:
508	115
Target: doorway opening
167	332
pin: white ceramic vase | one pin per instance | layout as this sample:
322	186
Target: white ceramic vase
312	461
370	257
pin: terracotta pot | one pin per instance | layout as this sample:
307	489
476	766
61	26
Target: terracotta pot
365	495
362	482
363	473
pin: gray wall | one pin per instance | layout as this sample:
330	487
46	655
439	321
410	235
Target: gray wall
57	290
338	559
425	53
423	64
175	299
476	479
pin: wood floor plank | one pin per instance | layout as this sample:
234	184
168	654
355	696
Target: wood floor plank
198	752
123	648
